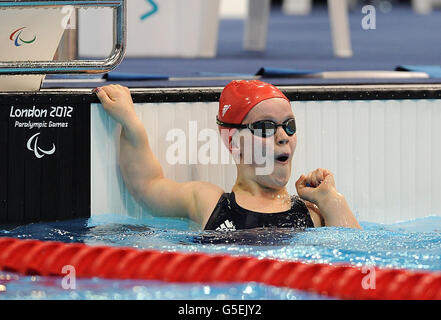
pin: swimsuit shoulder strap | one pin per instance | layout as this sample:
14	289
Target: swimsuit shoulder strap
221	212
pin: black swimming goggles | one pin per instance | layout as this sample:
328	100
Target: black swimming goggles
263	128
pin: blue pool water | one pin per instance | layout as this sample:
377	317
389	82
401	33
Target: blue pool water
412	244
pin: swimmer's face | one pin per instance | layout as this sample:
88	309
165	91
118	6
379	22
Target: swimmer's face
280	147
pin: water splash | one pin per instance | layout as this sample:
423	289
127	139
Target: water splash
414	244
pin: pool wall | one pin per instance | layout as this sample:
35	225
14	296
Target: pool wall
382	142
385	154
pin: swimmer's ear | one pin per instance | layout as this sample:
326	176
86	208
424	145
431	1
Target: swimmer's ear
235	152
235	147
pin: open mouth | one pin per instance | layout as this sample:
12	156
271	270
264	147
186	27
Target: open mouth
282	158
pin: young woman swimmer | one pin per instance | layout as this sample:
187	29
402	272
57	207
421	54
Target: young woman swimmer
263	115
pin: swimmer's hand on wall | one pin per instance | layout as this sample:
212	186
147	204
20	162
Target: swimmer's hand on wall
319	188
118	103
142	171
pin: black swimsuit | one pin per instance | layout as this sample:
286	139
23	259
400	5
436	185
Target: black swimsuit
228	215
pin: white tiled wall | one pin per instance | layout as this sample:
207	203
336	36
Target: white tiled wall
385	155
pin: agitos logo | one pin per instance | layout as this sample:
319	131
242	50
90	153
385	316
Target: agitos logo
17	38
32	145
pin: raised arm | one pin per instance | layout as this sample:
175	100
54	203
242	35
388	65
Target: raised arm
141	170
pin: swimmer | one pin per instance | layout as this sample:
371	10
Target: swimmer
260	112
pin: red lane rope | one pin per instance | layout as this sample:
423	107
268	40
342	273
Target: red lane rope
34	257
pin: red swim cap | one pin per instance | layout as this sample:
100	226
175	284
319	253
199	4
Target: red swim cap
239	97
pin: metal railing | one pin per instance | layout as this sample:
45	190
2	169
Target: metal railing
73	66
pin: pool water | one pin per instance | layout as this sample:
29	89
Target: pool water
414	244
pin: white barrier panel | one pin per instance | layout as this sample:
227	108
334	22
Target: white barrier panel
156	28
233	9
30	34
385	155
108	191
297	7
